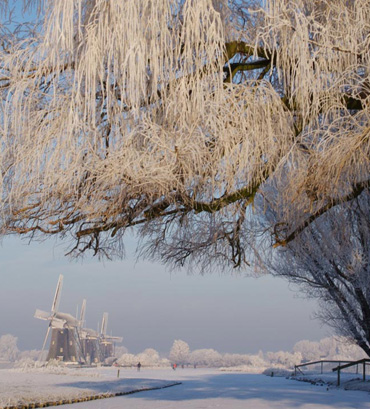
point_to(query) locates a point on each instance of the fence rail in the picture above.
(322, 362)
(364, 362)
(342, 365)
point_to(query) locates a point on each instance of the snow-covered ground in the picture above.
(55, 384)
(200, 388)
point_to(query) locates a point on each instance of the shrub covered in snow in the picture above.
(28, 363)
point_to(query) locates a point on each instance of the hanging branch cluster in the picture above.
(175, 115)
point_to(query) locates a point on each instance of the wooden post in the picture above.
(321, 367)
(295, 370)
(364, 371)
(338, 379)
(118, 373)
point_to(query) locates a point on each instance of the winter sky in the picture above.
(148, 305)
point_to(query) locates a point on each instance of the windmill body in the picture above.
(91, 346)
(89, 340)
(70, 340)
(65, 344)
(107, 342)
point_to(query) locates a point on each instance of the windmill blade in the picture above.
(83, 312)
(58, 291)
(113, 339)
(104, 324)
(45, 340)
(42, 315)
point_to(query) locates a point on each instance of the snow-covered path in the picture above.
(213, 389)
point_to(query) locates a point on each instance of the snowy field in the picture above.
(200, 388)
(55, 384)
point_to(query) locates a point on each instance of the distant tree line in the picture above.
(180, 353)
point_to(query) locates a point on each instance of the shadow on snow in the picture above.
(235, 386)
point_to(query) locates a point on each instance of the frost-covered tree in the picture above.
(337, 348)
(177, 116)
(179, 353)
(149, 357)
(127, 360)
(229, 360)
(32, 355)
(8, 348)
(309, 350)
(206, 357)
(328, 346)
(285, 359)
(346, 349)
(330, 262)
(120, 350)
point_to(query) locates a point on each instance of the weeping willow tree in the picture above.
(181, 119)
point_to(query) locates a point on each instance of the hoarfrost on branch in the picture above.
(180, 117)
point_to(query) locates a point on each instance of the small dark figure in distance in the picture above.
(138, 366)
(174, 366)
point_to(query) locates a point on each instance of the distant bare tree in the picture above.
(175, 116)
(331, 262)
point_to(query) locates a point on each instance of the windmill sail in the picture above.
(104, 324)
(82, 313)
(107, 341)
(58, 293)
(42, 315)
(64, 344)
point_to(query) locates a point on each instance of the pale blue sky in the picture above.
(149, 306)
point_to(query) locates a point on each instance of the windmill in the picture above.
(107, 341)
(89, 339)
(65, 344)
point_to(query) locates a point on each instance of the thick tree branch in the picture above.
(356, 191)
